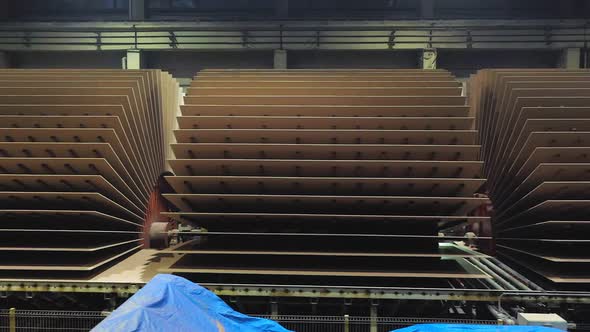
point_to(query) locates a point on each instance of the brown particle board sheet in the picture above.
(539, 250)
(71, 262)
(357, 77)
(307, 248)
(325, 185)
(325, 151)
(548, 132)
(548, 189)
(223, 220)
(533, 126)
(548, 172)
(64, 219)
(65, 199)
(316, 122)
(66, 166)
(195, 216)
(521, 134)
(80, 151)
(334, 136)
(317, 167)
(402, 81)
(222, 109)
(136, 117)
(70, 247)
(84, 183)
(499, 141)
(553, 139)
(324, 203)
(326, 268)
(82, 135)
(539, 156)
(325, 100)
(548, 228)
(330, 157)
(35, 150)
(324, 90)
(562, 273)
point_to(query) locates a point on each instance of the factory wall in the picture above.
(462, 63)
(184, 64)
(353, 59)
(66, 59)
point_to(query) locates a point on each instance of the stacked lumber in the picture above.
(534, 129)
(80, 152)
(323, 177)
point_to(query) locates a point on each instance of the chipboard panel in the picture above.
(80, 153)
(324, 177)
(535, 137)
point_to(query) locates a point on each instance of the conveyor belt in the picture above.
(534, 128)
(80, 152)
(339, 176)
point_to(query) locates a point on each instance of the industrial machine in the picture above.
(298, 191)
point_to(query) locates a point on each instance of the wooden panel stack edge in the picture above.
(324, 177)
(80, 154)
(534, 131)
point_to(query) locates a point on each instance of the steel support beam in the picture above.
(280, 59)
(274, 308)
(293, 35)
(439, 294)
(570, 58)
(429, 56)
(374, 315)
(134, 59)
(137, 10)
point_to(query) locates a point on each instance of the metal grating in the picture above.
(80, 151)
(324, 178)
(534, 132)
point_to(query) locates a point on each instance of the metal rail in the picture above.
(517, 288)
(386, 35)
(49, 320)
(58, 320)
(378, 293)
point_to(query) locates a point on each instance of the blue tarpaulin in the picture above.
(475, 328)
(170, 303)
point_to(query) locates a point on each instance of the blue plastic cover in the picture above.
(475, 328)
(170, 303)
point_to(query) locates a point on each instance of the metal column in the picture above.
(374, 314)
(280, 59)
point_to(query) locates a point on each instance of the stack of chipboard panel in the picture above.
(323, 177)
(80, 152)
(534, 129)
